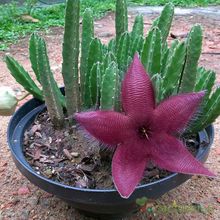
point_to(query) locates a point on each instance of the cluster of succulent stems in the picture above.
(92, 71)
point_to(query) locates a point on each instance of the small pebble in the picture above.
(24, 190)
(50, 140)
(48, 173)
(75, 154)
(67, 154)
(99, 25)
(66, 134)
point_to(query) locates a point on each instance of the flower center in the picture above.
(143, 132)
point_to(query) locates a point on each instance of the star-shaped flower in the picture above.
(144, 132)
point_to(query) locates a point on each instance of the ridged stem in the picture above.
(71, 56)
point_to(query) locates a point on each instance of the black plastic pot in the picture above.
(104, 203)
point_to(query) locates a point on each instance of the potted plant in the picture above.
(134, 96)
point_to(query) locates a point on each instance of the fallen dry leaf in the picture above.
(29, 19)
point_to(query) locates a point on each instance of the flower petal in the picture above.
(128, 165)
(169, 153)
(107, 126)
(173, 114)
(137, 92)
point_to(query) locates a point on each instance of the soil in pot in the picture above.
(70, 157)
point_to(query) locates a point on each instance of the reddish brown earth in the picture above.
(20, 200)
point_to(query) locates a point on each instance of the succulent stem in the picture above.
(71, 56)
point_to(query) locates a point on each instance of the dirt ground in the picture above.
(20, 200)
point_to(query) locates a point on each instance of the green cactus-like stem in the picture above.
(211, 111)
(164, 59)
(33, 54)
(34, 57)
(87, 99)
(95, 53)
(108, 58)
(95, 56)
(108, 88)
(194, 47)
(205, 80)
(173, 70)
(136, 45)
(53, 103)
(87, 36)
(151, 55)
(71, 56)
(121, 19)
(23, 78)
(123, 52)
(138, 27)
(167, 53)
(117, 99)
(112, 45)
(94, 85)
(164, 21)
(157, 82)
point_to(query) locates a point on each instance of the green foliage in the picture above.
(188, 78)
(95, 55)
(123, 52)
(71, 56)
(22, 77)
(185, 3)
(87, 36)
(165, 20)
(136, 45)
(205, 80)
(138, 27)
(173, 70)
(33, 52)
(210, 111)
(36, 65)
(108, 87)
(94, 83)
(121, 18)
(13, 27)
(49, 86)
(151, 53)
(136, 36)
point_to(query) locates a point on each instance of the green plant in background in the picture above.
(185, 3)
(13, 27)
(29, 5)
(173, 69)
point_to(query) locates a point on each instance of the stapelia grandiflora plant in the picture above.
(144, 132)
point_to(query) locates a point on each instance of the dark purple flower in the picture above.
(144, 132)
